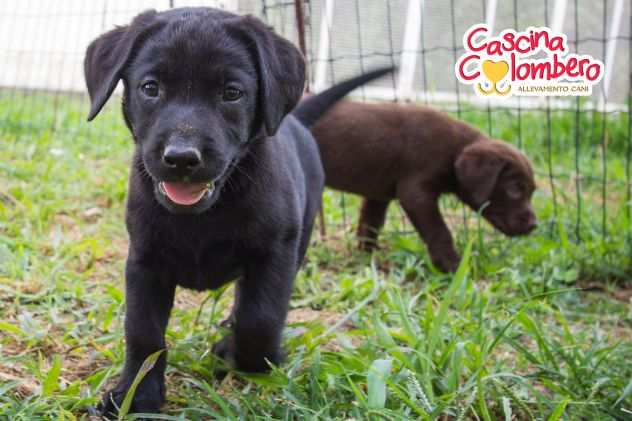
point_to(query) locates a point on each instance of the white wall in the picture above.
(42, 42)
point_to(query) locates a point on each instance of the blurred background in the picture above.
(42, 42)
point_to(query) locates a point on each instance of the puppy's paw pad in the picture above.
(250, 361)
(447, 264)
(110, 404)
(112, 401)
(225, 349)
(368, 246)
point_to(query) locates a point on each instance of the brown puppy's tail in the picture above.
(312, 108)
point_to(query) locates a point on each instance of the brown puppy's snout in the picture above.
(181, 157)
(526, 222)
(531, 222)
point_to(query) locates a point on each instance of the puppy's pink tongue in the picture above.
(185, 193)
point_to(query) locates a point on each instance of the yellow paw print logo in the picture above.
(495, 72)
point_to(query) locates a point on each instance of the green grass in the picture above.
(382, 337)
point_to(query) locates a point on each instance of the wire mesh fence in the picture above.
(581, 147)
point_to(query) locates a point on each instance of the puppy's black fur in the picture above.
(215, 88)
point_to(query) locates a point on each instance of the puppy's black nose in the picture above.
(181, 157)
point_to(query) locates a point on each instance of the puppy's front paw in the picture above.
(447, 262)
(251, 360)
(144, 401)
(225, 349)
(367, 245)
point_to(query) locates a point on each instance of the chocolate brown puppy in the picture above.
(415, 154)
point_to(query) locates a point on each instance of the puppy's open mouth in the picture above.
(186, 194)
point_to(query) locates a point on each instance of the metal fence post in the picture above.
(320, 74)
(300, 28)
(412, 36)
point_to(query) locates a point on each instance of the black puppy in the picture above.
(222, 187)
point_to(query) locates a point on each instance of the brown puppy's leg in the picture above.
(372, 217)
(422, 207)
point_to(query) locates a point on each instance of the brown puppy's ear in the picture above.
(107, 56)
(280, 67)
(477, 170)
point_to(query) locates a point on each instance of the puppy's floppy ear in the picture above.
(280, 67)
(107, 56)
(477, 170)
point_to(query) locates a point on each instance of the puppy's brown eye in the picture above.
(515, 191)
(231, 94)
(150, 89)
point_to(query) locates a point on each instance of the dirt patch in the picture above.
(328, 319)
(307, 315)
(26, 387)
(622, 294)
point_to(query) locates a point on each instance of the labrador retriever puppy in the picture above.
(222, 186)
(415, 154)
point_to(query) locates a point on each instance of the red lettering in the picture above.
(537, 36)
(541, 68)
(470, 37)
(509, 38)
(557, 43)
(494, 48)
(464, 63)
(571, 64)
(558, 68)
(522, 39)
(582, 66)
(593, 72)
(523, 71)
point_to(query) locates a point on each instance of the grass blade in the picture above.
(558, 411)
(507, 408)
(51, 382)
(626, 392)
(448, 298)
(376, 383)
(148, 364)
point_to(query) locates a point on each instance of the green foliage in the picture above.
(145, 368)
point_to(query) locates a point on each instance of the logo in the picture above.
(535, 62)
